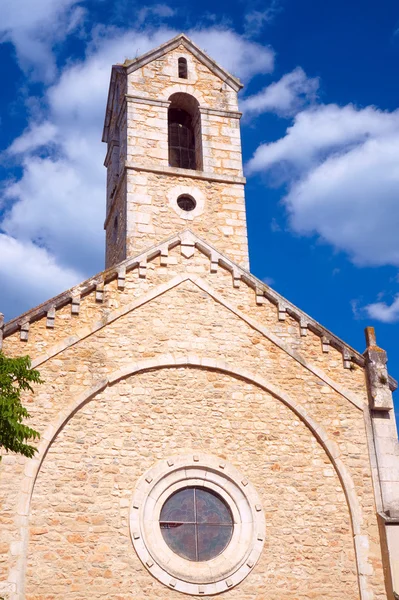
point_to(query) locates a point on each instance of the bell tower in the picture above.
(173, 160)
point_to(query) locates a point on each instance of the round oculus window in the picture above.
(196, 523)
(186, 202)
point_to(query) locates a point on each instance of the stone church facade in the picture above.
(200, 435)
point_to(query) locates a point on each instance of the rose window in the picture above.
(196, 523)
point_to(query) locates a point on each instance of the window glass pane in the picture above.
(181, 539)
(184, 159)
(211, 508)
(179, 507)
(184, 136)
(212, 540)
(174, 157)
(174, 134)
(181, 138)
(196, 523)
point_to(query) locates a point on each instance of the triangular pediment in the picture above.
(188, 243)
(183, 40)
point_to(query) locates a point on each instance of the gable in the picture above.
(93, 303)
(183, 42)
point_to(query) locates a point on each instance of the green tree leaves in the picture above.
(16, 376)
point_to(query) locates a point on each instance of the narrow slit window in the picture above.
(115, 229)
(182, 64)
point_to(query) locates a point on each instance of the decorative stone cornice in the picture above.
(185, 239)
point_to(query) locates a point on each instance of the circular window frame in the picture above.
(183, 190)
(238, 558)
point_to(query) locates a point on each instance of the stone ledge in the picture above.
(150, 101)
(187, 173)
(230, 114)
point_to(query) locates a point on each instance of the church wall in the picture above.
(185, 353)
(186, 320)
(147, 134)
(79, 536)
(153, 214)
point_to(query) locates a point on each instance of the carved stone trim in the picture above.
(238, 273)
(232, 565)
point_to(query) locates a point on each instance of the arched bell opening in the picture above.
(184, 132)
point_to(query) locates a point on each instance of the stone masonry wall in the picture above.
(115, 247)
(143, 127)
(311, 347)
(153, 214)
(181, 321)
(79, 536)
(188, 356)
(161, 74)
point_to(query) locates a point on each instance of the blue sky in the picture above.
(320, 134)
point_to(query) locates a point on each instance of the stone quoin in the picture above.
(200, 435)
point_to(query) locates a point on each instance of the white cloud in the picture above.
(320, 132)
(284, 97)
(39, 135)
(158, 10)
(384, 312)
(255, 20)
(57, 206)
(26, 268)
(34, 29)
(341, 168)
(241, 57)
